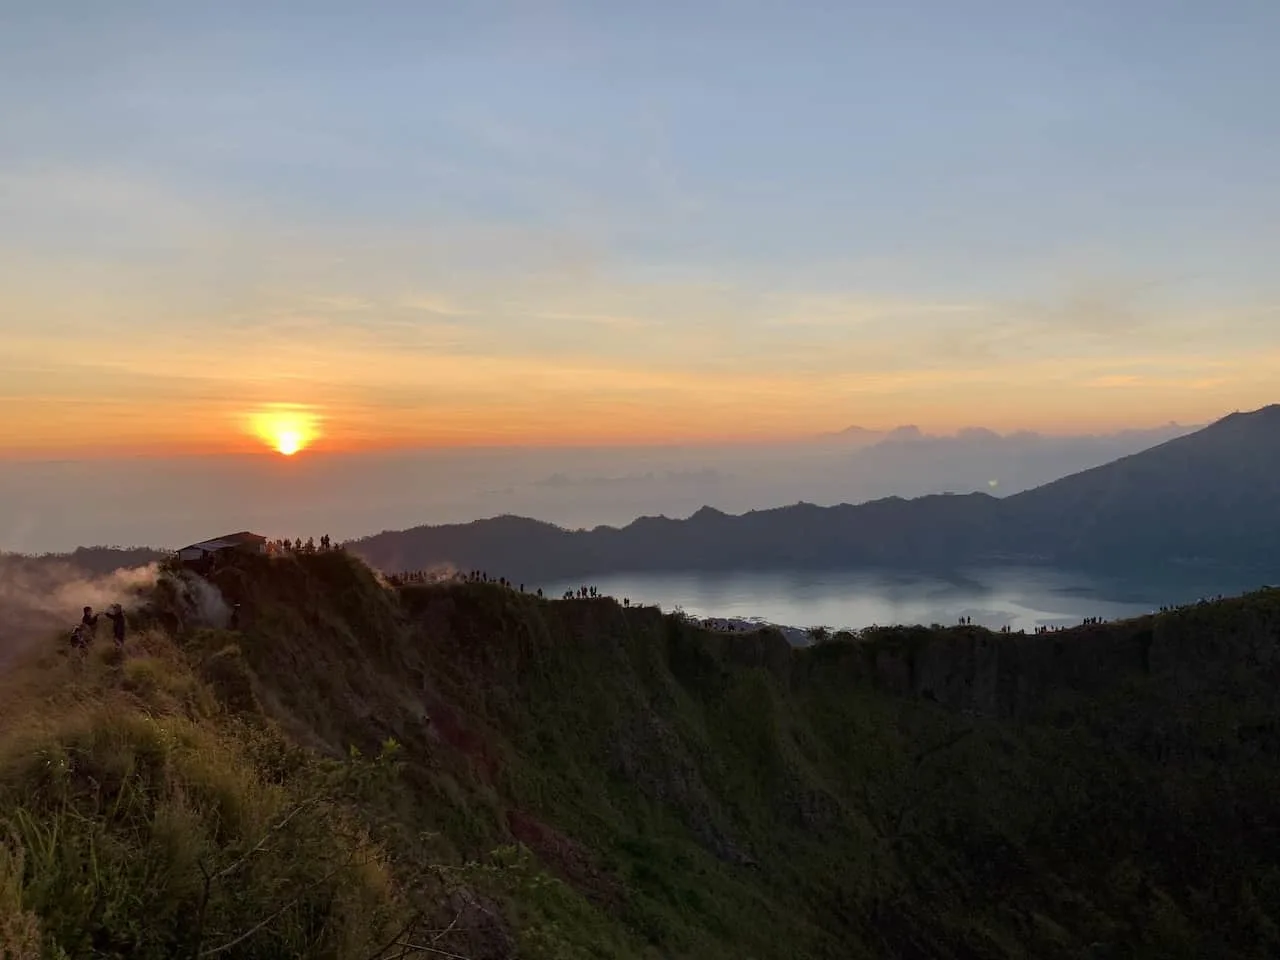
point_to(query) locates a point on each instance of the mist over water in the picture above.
(1021, 598)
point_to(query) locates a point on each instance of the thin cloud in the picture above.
(851, 312)
(436, 305)
(340, 304)
(600, 319)
(511, 329)
(1134, 381)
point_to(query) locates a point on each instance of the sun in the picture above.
(289, 442)
(285, 429)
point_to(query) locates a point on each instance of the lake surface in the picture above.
(1021, 598)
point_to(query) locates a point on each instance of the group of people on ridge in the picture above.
(409, 577)
(83, 634)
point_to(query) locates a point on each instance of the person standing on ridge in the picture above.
(89, 621)
(116, 615)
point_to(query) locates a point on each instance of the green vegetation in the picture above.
(363, 772)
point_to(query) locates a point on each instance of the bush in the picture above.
(232, 683)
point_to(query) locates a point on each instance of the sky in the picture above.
(426, 225)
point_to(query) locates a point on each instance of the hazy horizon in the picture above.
(48, 506)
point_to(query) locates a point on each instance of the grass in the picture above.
(133, 822)
(357, 767)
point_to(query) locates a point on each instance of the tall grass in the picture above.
(134, 821)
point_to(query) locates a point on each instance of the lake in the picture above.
(1021, 598)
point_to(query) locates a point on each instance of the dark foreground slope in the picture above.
(1208, 498)
(1107, 792)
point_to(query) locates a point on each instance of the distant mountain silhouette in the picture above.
(856, 433)
(861, 435)
(95, 561)
(1210, 497)
(905, 433)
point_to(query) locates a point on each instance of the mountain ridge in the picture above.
(1210, 496)
(1056, 523)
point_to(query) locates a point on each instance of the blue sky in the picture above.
(569, 221)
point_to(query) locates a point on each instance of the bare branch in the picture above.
(433, 950)
(262, 923)
(204, 904)
(447, 930)
(223, 874)
(398, 936)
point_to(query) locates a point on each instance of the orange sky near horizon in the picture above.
(580, 360)
(190, 411)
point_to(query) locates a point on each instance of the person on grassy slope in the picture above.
(116, 615)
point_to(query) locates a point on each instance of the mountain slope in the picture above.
(1210, 496)
(1107, 791)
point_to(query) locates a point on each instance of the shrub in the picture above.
(229, 676)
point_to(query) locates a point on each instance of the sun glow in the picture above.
(285, 429)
